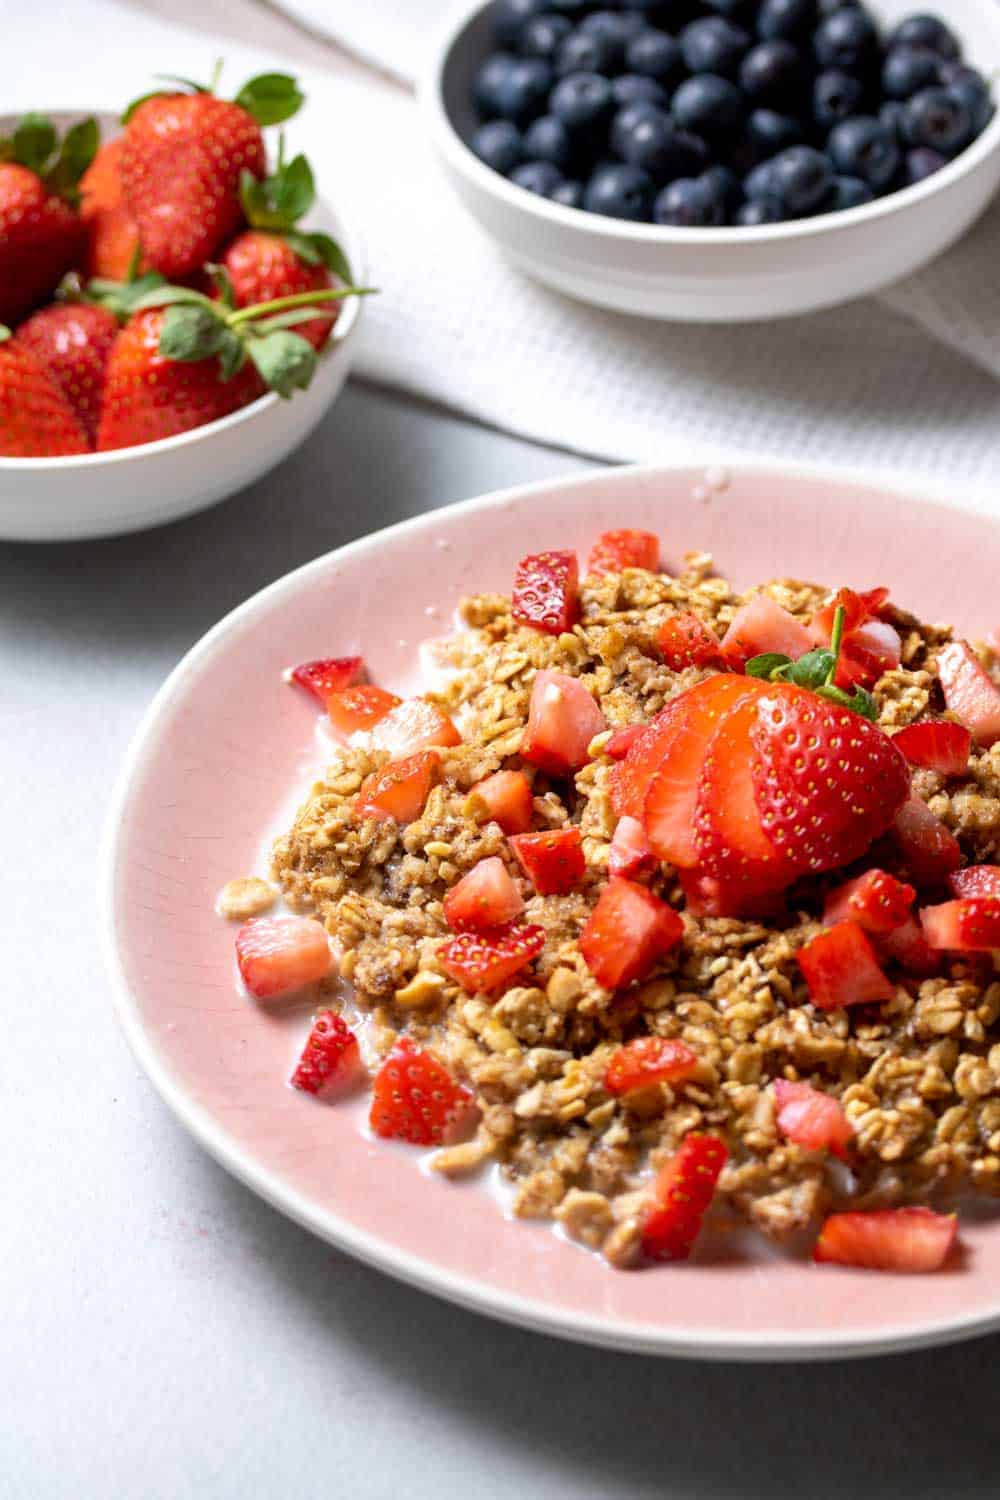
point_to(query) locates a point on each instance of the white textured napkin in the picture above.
(861, 385)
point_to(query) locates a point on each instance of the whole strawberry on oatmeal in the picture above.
(672, 903)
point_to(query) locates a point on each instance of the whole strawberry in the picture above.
(182, 158)
(41, 233)
(36, 420)
(112, 246)
(72, 342)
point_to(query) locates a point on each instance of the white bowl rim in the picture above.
(415, 1270)
(464, 159)
(345, 326)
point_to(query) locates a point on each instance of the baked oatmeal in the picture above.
(669, 900)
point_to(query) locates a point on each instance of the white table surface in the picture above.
(164, 1334)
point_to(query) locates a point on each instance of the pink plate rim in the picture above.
(717, 1343)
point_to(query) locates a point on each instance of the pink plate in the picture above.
(224, 751)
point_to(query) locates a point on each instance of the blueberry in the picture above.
(709, 105)
(627, 119)
(863, 147)
(846, 39)
(491, 81)
(575, 8)
(620, 192)
(569, 194)
(925, 31)
(514, 88)
(891, 116)
(763, 210)
(688, 202)
(509, 18)
(547, 139)
(655, 55)
(538, 177)
(631, 88)
(772, 73)
(714, 45)
(922, 162)
(622, 26)
(836, 96)
(543, 36)
(847, 192)
(500, 145)
(907, 69)
(723, 185)
(826, 8)
(937, 118)
(655, 144)
(583, 102)
(590, 52)
(733, 10)
(771, 132)
(760, 183)
(971, 87)
(801, 178)
(791, 20)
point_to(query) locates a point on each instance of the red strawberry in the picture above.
(507, 794)
(649, 1060)
(707, 897)
(482, 961)
(358, 708)
(279, 954)
(936, 744)
(763, 626)
(36, 420)
(876, 901)
(930, 850)
(415, 724)
(41, 234)
(858, 609)
(553, 861)
(181, 164)
(976, 880)
(910, 949)
(680, 1197)
(400, 790)
(331, 674)
(73, 340)
(686, 641)
(968, 925)
(615, 550)
(112, 235)
(562, 720)
(648, 748)
(622, 740)
(811, 1118)
(484, 898)
(331, 1056)
(626, 934)
(415, 1098)
(841, 968)
(970, 692)
(888, 1239)
(545, 594)
(870, 646)
(629, 852)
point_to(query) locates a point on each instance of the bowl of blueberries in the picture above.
(718, 160)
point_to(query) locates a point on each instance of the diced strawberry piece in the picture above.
(970, 692)
(930, 850)
(553, 861)
(562, 720)
(546, 592)
(686, 641)
(358, 708)
(888, 1239)
(976, 880)
(867, 654)
(482, 961)
(485, 897)
(761, 626)
(332, 674)
(331, 1056)
(910, 949)
(621, 742)
(841, 968)
(415, 1098)
(969, 925)
(626, 933)
(673, 759)
(277, 955)
(615, 550)
(877, 901)
(858, 609)
(400, 790)
(936, 744)
(707, 897)
(680, 1197)
(630, 851)
(827, 781)
(649, 1060)
(811, 1118)
(507, 794)
(415, 724)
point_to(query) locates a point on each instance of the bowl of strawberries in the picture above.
(176, 308)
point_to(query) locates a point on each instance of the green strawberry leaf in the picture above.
(188, 83)
(860, 701)
(33, 142)
(320, 249)
(812, 670)
(78, 149)
(232, 354)
(292, 318)
(166, 296)
(281, 199)
(766, 664)
(223, 284)
(192, 333)
(271, 98)
(285, 361)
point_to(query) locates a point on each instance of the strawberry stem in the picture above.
(836, 640)
(300, 299)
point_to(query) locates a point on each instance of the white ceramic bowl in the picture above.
(715, 275)
(104, 494)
